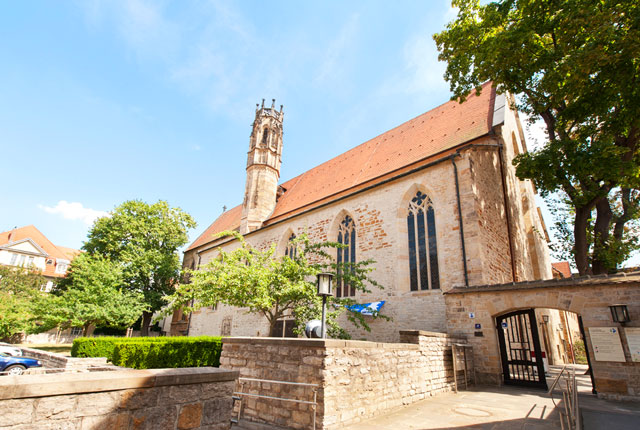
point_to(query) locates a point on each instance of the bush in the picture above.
(170, 352)
(103, 346)
(579, 352)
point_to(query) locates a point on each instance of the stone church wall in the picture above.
(381, 227)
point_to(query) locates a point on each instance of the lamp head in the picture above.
(324, 284)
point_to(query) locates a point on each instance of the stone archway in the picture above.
(471, 312)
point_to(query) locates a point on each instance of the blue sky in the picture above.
(106, 101)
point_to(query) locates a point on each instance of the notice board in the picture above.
(633, 340)
(606, 344)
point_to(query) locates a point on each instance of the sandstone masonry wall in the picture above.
(356, 380)
(192, 398)
(589, 298)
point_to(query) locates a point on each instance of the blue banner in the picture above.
(366, 308)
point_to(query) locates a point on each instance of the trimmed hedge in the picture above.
(174, 352)
(103, 346)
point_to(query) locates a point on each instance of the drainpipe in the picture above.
(464, 251)
(197, 267)
(507, 213)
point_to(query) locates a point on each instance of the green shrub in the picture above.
(579, 352)
(103, 346)
(171, 352)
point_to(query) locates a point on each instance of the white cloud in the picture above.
(74, 211)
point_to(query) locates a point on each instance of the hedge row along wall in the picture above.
(152, 352)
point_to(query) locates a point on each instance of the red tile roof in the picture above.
(562, 268)
(229, 220)
(424, 137)
(53, 251)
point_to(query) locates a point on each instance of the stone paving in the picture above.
(498, 408)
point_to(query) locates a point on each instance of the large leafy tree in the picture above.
(94, 293)
(273, 286)
(575, 64)
(20, 297)
(143, 239)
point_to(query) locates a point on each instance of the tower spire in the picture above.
(263, 167)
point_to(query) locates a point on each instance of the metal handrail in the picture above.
(571, 414)
(313, 404)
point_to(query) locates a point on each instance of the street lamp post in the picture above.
(324, 290)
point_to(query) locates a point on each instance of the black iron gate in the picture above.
(520, 349)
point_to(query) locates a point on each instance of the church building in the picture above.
(435, 202)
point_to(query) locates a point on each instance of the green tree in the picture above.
(20, 296)
(273, 287)
(144, 240)
(93, 294)
(576, 65)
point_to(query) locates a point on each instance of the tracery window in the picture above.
(291, 251)
(423, 250)
(346, 236)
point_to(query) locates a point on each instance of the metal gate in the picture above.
(520, 349)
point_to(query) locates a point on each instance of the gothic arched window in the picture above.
(423, 250)
(290, 250)
(265, 136)
(346, 236)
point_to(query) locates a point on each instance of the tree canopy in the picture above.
(93, 294)
(20, 296)
(273, 286)
(576, 65)
(143, 239)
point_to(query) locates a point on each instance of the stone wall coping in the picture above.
(26, 386)
(320, 343)
(582, 281)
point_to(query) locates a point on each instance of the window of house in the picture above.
(14, 257)
(61, 266)
(30, 262)
(76, 331)
(291, 251)
(346, 236)
(423, 250)
(21, 260)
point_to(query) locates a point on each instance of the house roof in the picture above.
(562, 268)
(52, 251)
(424, 137)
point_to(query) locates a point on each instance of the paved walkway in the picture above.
(502, 408)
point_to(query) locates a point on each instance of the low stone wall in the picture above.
(356, 379)
(191, 398)
(52, 360)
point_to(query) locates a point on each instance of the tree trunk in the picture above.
(85, 329)
(604, 215)
(146, 321)
(580, 238)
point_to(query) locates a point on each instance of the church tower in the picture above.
(263, 167)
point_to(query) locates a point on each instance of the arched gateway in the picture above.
(480, 313)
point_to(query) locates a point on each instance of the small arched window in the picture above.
(291, 251)
(423, 250)
(346, 236)
(265, 136)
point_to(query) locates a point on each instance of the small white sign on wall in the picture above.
(633, 340)
(606, 344)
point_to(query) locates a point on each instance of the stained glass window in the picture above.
(346, 236)
(423, 250)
